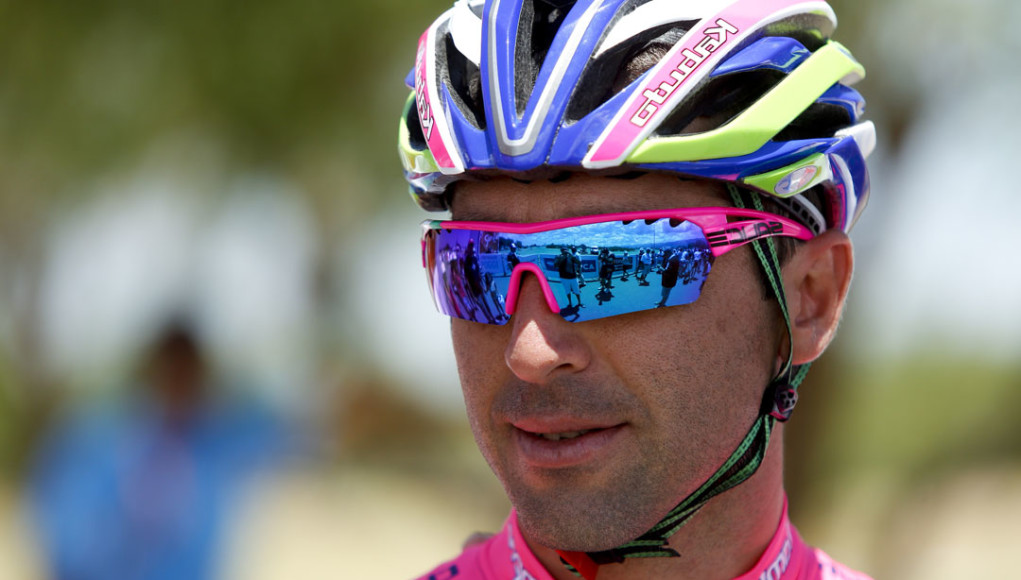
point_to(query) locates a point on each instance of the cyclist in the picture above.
(568, 265)
(727, 128)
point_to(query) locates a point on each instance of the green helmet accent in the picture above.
(760, 122)
(805, 175)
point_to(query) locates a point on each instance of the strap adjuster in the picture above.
(784, 400)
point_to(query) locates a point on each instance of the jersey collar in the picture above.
(780, 561)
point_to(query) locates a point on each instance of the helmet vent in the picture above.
(718, 101)
(811, 30)
(462, 78)
(818, 120)
(477, 8)
(538, 24)
(616, 68)
(414, 125)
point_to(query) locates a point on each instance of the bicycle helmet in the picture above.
(512, 86)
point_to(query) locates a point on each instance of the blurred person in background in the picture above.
(144, 489)
(647, 443)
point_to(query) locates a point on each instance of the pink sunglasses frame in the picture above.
(722, 234)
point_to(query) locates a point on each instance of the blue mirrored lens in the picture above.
(594, 270)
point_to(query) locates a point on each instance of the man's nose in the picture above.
(542, 344)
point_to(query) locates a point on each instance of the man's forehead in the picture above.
(508, 200)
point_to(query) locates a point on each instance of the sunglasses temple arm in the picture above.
(737, 234)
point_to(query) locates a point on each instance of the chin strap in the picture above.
(778, 402)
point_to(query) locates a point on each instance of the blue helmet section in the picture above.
(529, 135)
(772, 52)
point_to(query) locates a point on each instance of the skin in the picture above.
(676, 388)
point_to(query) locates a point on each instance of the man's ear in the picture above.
(816, 279)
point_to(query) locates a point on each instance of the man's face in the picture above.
(597, 429)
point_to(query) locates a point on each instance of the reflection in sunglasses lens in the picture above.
(594, 270)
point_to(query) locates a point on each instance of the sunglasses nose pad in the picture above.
(517, 279)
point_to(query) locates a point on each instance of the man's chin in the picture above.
(579, 530)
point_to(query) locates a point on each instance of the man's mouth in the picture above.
(550, 447)
(564, 435)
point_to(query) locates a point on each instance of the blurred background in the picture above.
(218, 358)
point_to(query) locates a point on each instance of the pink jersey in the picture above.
(506, 556)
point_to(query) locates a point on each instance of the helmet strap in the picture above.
(778, 401)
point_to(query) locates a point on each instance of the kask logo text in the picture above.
(425, 115)
(693, 59)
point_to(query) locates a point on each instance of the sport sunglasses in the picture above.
(588, 267)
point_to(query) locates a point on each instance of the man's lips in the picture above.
(563, 443)
(538, 425)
